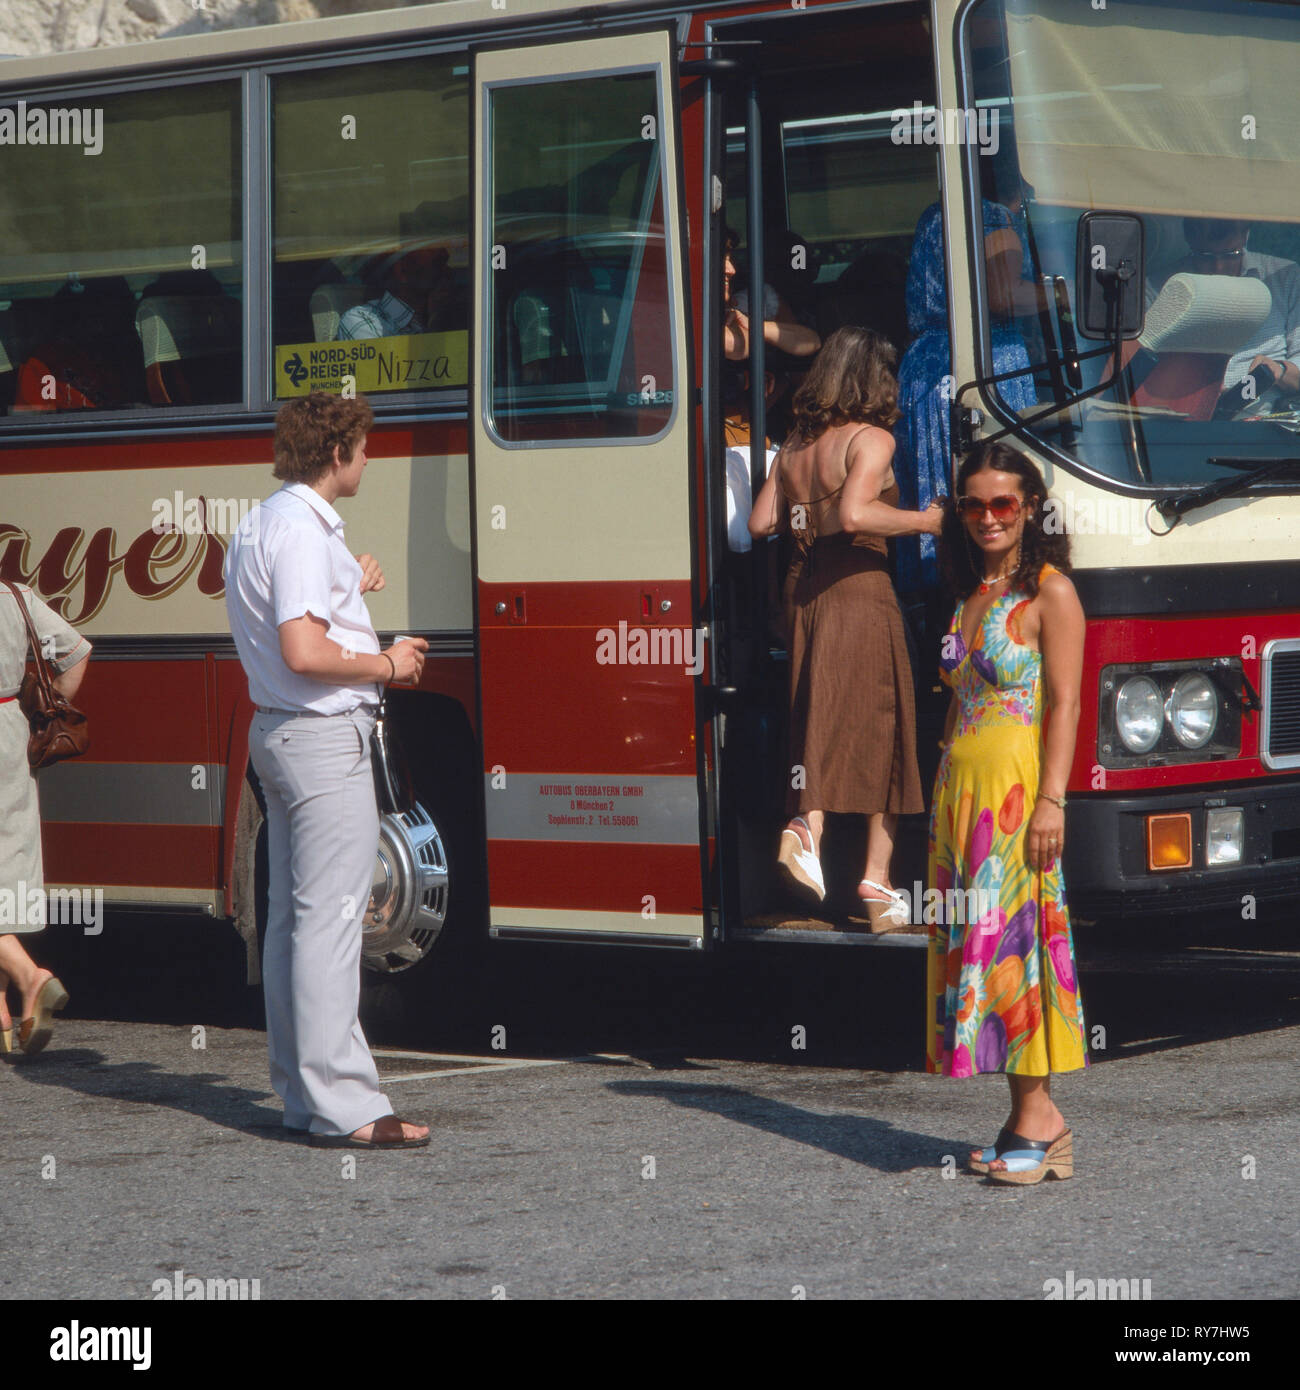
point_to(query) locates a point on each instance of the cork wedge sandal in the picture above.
(887, 913)
(1032, 1160)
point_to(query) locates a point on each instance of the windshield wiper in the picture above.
(1173, 509)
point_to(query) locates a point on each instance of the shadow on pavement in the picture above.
(861, 1139)
(206, 1095)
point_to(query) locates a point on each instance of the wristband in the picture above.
(392, 666)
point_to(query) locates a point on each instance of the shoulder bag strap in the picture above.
(34, 641)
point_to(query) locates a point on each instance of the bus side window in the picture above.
(85, 237)
(370, 232)
(581, 337)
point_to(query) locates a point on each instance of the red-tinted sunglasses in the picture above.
(1004, 508)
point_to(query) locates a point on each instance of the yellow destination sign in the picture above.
(410, 362)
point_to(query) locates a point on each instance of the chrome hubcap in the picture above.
(409, 893)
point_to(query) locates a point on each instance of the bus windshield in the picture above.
(1183, 113)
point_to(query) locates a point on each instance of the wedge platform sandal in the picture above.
(1035, 1159)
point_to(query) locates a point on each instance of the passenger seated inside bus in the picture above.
(414, 292)
(1220, 246)
(191, 334)
(1221, 336)
(79, 347)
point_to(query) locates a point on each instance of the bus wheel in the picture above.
(409, 893)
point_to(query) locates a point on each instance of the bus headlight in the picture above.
(1225, 830)
(1193, 710)
(1159, 714)
(1139, 714)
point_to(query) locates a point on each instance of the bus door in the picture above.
(814, 160)
(588, 651)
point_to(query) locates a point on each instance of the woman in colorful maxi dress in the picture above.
(1003, 983)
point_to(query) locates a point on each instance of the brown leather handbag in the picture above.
(58, 729)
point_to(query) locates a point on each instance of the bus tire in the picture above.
(407, 992)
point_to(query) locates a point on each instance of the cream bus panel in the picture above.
(1108, 531)
(528, 527)
(97, 558)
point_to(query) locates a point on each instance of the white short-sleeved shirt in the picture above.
(739, 499)
(288, 558)
(1279, 335)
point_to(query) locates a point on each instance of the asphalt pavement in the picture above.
(674, 1141)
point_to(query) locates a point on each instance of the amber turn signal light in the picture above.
(1169, 841)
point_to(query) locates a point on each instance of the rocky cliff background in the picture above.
(51, 26)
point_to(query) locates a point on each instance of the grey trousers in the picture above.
(323, 831)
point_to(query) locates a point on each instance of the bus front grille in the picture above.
(1281, 724)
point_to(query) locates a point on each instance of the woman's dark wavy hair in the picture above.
(852, 379)
(959, 556)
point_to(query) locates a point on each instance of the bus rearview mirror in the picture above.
(1110, 272)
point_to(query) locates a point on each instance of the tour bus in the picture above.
(505, 222)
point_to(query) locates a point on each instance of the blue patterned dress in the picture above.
(922, 461)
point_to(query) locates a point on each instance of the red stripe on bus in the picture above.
(155, 856)
(147, 711)
(215, 449)
(585, 877)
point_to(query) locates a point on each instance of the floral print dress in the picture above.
(1003, 991)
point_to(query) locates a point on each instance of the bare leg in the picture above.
(1033, 1112)
(880, 847)
(816, 822)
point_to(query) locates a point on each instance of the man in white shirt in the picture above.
(316, 674)
(1218, 247)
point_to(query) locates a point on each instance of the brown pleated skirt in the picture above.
(852, 706)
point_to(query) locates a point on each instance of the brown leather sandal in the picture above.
(350, 1141)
